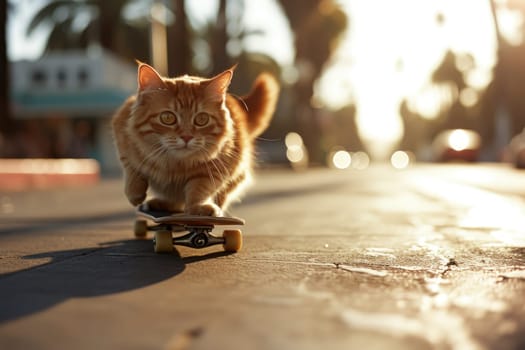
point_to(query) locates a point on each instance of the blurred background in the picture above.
(363, 81)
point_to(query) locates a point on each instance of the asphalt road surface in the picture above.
(432, 257)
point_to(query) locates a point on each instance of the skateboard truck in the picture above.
(198, 237)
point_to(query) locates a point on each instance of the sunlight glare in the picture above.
(500, 214)
(431, 100)
(492, 211)
(478, 79)
(377, 68)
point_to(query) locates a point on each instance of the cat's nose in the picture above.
(186, 138)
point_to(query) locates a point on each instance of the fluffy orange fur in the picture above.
(189, 141)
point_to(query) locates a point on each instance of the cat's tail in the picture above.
(261, 103)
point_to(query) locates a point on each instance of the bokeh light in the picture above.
(468, 97)
(341, 159)
(296, 152)
(360, 160)
(400, 159)
(293, 139)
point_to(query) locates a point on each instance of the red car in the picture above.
(457, 145)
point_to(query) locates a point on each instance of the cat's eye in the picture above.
(201, 119)
(168, 118)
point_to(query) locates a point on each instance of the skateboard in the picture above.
(198, 230)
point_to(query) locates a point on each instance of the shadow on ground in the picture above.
(112, 268)
(30, 225)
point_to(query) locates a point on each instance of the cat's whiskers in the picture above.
(221, 172)
(229, 151)
(218, 160)
(210, 160)
(156, 153)
(211, 176)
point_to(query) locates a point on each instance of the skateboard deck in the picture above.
(166, 217)
(198, 230)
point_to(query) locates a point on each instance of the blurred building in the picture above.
(68, 98)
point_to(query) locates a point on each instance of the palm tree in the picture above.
(220, 39)
(505, 93)
(5, 118)
(317, 25)
(179, 41)
(106, 26)
(502, 96)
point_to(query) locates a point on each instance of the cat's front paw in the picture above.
(135, 189)
(208, 209)
(136, 198)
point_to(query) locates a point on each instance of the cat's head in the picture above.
(182, 118)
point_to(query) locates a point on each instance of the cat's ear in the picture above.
(218, 85)
(148, 78)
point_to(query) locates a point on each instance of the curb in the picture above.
(28, 174)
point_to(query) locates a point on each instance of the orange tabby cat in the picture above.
(190, 141)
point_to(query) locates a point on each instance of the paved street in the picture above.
(432, 257)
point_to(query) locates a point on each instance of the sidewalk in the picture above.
(427, 258)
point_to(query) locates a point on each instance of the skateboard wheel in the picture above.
(163, 242)
(232, 240)
(141, 228)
